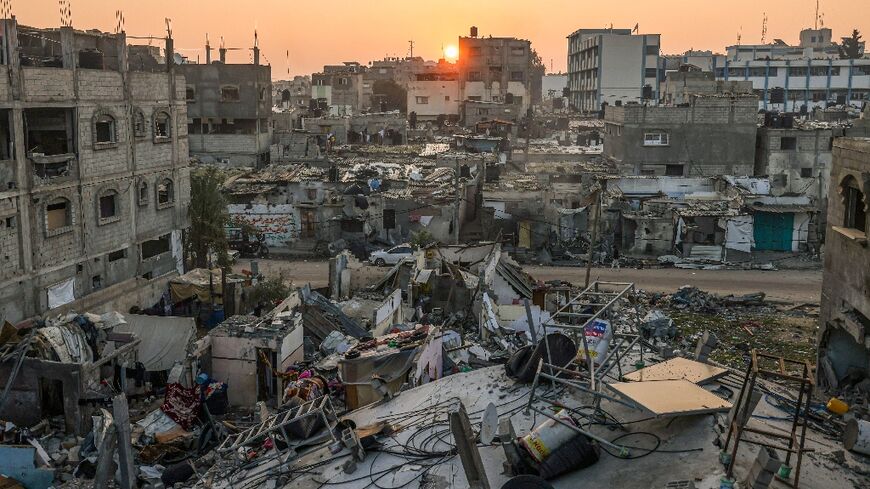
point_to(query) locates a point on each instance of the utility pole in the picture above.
(457, 200)
(594, 244)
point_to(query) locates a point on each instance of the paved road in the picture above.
(785, 285)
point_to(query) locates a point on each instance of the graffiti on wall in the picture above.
(277, 222)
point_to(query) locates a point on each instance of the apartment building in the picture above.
(613, 67)
(94, 168)
(497, 70)
(228, 106)
(339, 88)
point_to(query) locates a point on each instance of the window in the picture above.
(474, 76)
(161, 125)
(154, 247)
(389, 218)
(58, 215)
(138, 123)
(518, 51)
(650, 73)
(652, 50)
(229, 93)
(656, 139)
(190, 93)
(97, 282)
(855, 216)
(143, 193)
(312, 194)
(861, 70)
(807, 172)
(344, 81)
(475, 51)
(117, 255)
(719, 72)
(760, 71)
(736, 71)
(788, 143)
(164, 193)
(104, 129)
(674, 170)
(422, 100)
(797, 71)
(518, 76)
(107, 206)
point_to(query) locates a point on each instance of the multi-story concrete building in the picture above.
(792, 78)
(95, 178)
(496, 69)
(435, 93)
(292, 94)
(844, 322)
(711, 134)
(340, 88)
(229, 106)
(613, 67)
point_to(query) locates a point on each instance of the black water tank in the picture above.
(474, 31)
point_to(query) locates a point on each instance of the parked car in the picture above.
(391, 256)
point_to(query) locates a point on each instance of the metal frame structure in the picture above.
(601, 301)
(277, 424)
(581, 386)
(799, 418)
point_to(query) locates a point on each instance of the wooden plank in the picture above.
(671, 397)
(677, 368)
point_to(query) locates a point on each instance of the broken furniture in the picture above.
(795, 446)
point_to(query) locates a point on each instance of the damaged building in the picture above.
(228, 111)
(709, 134)
(844, 342)
(95, 172)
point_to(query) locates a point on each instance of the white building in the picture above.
(787, 78)
(612, 66)
(430, 98)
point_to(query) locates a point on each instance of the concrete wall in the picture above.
(845, 305)
(713, 136)
(442, 98)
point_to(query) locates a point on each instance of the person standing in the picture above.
(614, 264)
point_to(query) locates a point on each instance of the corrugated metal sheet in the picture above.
(782, 208)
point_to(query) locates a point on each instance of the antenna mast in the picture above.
(817, 15)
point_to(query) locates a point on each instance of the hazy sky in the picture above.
(328, 32)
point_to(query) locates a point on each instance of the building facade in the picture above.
(844, 321)
(790, 78)
(613, 67)
(710, 135)
(340, 88)
(95, 173)
(229, 106)
(495, 69)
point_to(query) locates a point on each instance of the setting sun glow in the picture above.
(451, 52)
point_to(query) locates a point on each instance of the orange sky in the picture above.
(328, 32)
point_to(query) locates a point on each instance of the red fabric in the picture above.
(181, 404)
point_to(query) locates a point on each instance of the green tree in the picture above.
(422, 238)
(208, 217)
(851, 47)
(269, 290)
(393, 96)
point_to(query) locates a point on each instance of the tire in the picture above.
(380, 262)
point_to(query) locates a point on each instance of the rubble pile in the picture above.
(455, 352)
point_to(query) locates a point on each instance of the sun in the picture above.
(451, 52)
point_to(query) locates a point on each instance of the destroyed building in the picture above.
(389, 128)
(339, 89)
(292, 94)
(496, 70)
(228, 107)
(844, 323)
(710, 135)
(94, 172)
(612, 67)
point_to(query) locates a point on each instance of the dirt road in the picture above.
(784, 285)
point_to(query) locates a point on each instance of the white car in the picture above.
(391, 256)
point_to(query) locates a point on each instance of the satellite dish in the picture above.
(489, 424)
